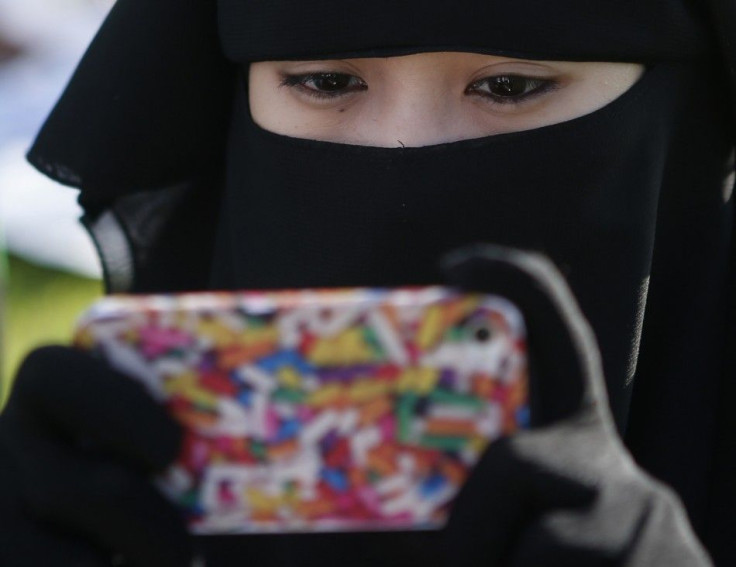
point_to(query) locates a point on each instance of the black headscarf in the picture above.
(631, 201)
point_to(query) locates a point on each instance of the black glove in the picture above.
(78, 445)
(565, 492)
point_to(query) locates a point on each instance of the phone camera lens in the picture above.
(483, 334)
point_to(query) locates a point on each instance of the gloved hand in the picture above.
(566, 492)
(78, 445)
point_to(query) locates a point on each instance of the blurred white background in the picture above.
(43, 40)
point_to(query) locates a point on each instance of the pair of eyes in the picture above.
(500, 89)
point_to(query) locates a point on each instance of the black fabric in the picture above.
(171, 235)
(74, 466)
(562, 494)
(78, 444)
(677, 386)
(305, 213)
(722, 486)
(565, 493)
(630, 201)
(147, 107)
(604, 30)
(645, 238)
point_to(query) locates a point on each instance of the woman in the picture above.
(312, 154)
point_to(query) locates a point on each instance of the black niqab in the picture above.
(316, 214)
(604, 30)
(630, 201)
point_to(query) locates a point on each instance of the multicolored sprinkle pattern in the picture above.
(354, 409)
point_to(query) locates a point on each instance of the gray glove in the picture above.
(565, 492)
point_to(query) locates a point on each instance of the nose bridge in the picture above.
(417, 114)
(419, 120)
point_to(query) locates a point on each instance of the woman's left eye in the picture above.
(510, 89)
(325, 85)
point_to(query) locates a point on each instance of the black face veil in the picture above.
(629, 200)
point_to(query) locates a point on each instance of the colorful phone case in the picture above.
(328, 410)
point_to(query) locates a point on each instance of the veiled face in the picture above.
(427, 98)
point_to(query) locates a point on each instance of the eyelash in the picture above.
(300, 82)
(532, 86)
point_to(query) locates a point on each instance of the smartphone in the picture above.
(321, 410)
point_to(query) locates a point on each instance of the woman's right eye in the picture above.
(325, 85)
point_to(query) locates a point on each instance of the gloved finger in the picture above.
(110, 504)
(631, 523)
(568, 539)
(564, 359)
(598, 535)
(71, 394)
(25, 543)
(504, 492)
(665, 538)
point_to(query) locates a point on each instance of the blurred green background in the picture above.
(41, 42)
(41, 306)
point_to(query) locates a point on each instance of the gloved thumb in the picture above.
(565, 362)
